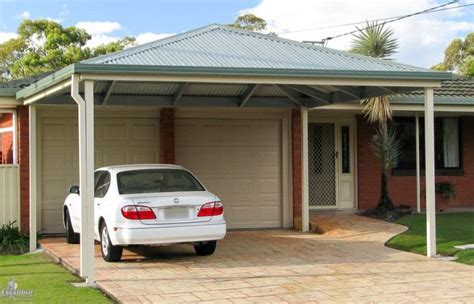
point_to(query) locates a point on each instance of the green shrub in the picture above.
(12, 241)
(446, 190)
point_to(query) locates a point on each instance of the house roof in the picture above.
(457, 91)
(9, 88)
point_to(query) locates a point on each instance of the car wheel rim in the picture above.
(105, 241)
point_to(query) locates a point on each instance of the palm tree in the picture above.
(377, 41)
(387, 148)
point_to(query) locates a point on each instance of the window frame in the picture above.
(454, 171)
(97, 187)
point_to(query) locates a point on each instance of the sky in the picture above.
(422, 39)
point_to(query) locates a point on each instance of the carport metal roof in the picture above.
(221, 66)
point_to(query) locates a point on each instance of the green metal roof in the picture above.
(217, 50)
(458, 91)
(218, 46)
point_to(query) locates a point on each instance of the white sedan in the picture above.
(148, 205)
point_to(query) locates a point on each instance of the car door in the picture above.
(102, 183)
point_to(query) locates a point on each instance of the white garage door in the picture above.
(118, 141)
(238, 160)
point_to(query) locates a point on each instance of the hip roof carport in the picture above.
(217, 66)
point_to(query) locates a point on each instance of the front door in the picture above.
(331, 165)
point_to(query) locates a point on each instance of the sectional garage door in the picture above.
(118, 141)
(238, 160)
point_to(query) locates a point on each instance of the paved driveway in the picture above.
(347, 264)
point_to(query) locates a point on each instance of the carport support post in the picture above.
(430, 174)
(32, 126)
(86, 175)
(304, 171)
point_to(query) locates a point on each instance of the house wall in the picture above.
(402, 189)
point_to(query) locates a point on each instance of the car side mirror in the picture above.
(74, 190)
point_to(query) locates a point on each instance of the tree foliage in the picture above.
(459, 56)
(375, 40)
(250, 22)
(45, 45)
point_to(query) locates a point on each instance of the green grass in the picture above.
(452, 229)
(49, 282)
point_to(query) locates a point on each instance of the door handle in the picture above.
(98, 204)
(336, 154)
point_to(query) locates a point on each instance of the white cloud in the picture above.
(422, 38)
(24, 15)
(148, 37)
(99, 27)
(4, 36)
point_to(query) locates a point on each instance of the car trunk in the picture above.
(171, 208)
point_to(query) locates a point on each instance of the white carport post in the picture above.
(430, 174)
(86, 175)
(33, 189)
(418, 186)
(304, 171)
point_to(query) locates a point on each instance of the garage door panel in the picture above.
(118, 141)
(238, 160)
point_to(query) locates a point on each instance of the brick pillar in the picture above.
(24, 161)
(167, 154)
(6, 144)
(296, 147)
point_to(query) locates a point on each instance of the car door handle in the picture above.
(98, 204)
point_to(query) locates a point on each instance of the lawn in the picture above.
(452, 229)
(49, 282)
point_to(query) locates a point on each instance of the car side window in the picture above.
(102, 184)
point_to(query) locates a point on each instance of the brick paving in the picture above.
(347, 264)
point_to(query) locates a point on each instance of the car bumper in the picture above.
(168, 235)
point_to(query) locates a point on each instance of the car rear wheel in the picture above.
(71, 236)
(110, 253)
(205, 248)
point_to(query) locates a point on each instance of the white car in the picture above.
(148, 205)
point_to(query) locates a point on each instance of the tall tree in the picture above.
(376, 41)
(45, 45)
(250, 22)
(459, 56)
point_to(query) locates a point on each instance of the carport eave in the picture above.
(235, 75)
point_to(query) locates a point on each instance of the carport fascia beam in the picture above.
(311, 92)
(290, 94)
(265, 80)
(47, 92)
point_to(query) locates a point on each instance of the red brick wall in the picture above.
(167, 145)
(6, 144)
(24, 161)
(296, 148)
(402, 189)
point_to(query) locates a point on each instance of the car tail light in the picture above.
(211, 209)
(138, 213)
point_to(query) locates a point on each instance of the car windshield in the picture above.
(156, 180)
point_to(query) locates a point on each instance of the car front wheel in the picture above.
(205, 248)
(71, 236)
(110, 253)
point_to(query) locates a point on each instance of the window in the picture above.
(346, 164)
(156, 181)
(447, 143)
(102, 183)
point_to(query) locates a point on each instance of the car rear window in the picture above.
(157, 180)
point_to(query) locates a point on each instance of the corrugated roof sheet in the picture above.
(222, 46)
